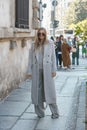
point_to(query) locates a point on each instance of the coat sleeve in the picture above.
(53, 58)
(30, 59)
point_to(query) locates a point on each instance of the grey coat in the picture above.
(49, 66)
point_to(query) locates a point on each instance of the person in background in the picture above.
(66, 54)
(52, 38)
(42, 70)
(75, 54)
(59, 50)
(83, 51)
(56, 50)
(86, 48)
(69, 41)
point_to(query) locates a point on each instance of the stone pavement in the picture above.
(17, 112)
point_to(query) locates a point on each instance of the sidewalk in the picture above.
(17, 112)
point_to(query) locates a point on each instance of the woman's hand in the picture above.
(53, 74)
(28, 76)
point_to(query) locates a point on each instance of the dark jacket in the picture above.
(56, 47)
(59, 46)
(75, 45)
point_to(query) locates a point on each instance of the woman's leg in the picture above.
(77, 60)
(39, 109)
(73, 61)
(56, 53)
(60, 59)
(54, 110)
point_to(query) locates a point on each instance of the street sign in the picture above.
(54, 3)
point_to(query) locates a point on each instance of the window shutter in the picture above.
(22, 14)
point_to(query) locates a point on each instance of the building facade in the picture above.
(18, 25)
(61, 10)
(47, 15)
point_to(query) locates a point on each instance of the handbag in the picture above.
(73, 49)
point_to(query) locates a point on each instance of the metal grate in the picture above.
(22, 14)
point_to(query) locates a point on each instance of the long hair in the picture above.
(60, 37)
(37, 39)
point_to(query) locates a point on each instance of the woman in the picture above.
(66, 54)
(75, 54)
(59, 50)
(42, 69)
(56, 50)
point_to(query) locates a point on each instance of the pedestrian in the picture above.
(75, 54)
(69, 41)
(66, 54)
(83, 51)
(60, 51)
(56, 50)
(42, 70)
(52, 38)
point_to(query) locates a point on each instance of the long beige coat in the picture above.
(49, 66)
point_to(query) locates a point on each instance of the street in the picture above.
(17, 112)
(26, 30)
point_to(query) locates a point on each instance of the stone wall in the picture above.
(13, 65)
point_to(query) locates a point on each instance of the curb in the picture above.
(71, 122)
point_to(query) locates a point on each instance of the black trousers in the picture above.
(60, 59)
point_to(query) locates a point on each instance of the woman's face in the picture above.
(41, 35)
(62, 38)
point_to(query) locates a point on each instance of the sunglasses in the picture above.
(39, 34)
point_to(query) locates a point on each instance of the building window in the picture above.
(22, 14)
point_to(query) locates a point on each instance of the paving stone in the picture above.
(61, 79)
(58, 87)
(83, 88)
(7, 122)
(81, 108)
(31, 109)
(81, 98)
(64, 104)
(13, 108)
(47, 123)
(69, 87)
(25, 85)
(25, 125)
(29, 116)
(80, 124)
(81, 113)
(19, 91)
(58, 84)
(26, 97)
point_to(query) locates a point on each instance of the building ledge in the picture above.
(18, 30)
(16, 33)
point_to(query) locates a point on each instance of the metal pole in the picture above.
(54, 18)
(40, 13)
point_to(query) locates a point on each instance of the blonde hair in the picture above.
(37, 40)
